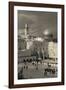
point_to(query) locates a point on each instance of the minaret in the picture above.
(26, 30)
(29, 43)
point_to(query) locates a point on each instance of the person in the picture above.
(26, 67)
(48, 65)
(20, 74)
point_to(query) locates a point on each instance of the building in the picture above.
(35, 47)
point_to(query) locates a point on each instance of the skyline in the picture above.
(48, 22)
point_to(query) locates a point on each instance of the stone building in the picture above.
(30, 46)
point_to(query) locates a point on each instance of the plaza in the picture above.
(33, 69)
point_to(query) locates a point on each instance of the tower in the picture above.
(26, 30)
(29, 42)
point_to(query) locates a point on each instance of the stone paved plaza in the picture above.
(30, 70)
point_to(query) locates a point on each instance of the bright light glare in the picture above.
(46, 32)
(39, 39)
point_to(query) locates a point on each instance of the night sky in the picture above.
(38, 22)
